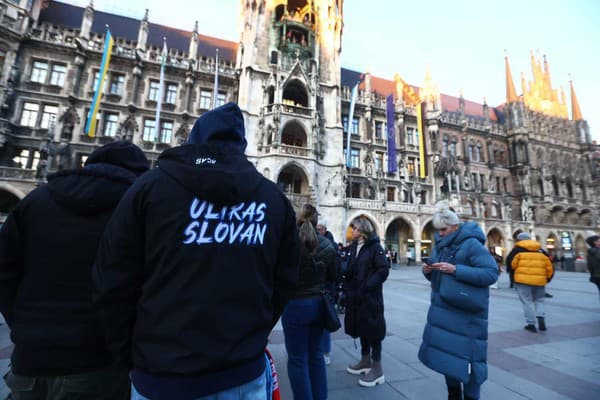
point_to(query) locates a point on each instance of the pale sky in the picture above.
(461, 41)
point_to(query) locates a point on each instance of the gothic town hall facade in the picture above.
(525, 165)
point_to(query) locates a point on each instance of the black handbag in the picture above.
(332, 321)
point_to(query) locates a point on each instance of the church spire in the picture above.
(575, 110)
(511, 93)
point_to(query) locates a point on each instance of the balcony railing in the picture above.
(297, 199)
(296, 109)
(295, 150)
(365, 204)
(11, 173)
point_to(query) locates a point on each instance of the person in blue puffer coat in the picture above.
(455, 339)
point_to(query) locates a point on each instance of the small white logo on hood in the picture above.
(205, 160)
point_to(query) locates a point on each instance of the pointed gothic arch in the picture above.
(295, 93)
(294, 134)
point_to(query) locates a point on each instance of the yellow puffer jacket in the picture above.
(531, 267)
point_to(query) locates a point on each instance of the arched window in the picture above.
(470, 150)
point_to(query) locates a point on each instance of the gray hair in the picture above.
(443, 216)
(364, 227)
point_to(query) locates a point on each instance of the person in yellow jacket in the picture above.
(532, 270)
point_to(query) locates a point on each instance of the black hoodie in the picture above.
(47, 248)
(193, 269)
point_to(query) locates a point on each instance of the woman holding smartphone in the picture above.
(455, 337)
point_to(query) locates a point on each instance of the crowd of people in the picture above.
(123, 282)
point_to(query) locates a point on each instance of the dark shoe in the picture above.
(530, 328)
(454, 393)
(361, 367)
(548, 295)
(374, 377)
(541, 323)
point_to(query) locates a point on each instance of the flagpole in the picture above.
(90, 126)
(161, 84)
(216, 85)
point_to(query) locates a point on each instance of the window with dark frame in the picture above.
(57, 76)
(39, 72)
(29, 114)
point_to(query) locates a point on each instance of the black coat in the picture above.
(363, 287)
(47, 248)
(196, 263)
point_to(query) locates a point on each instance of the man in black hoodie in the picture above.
(193, 269)
(47, 248)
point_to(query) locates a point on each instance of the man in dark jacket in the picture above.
(47, 249)
(593, 259)
(193, 270)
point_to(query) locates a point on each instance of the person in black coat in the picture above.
(47, 249)
(303, 317)
(195, 267)
(367, 270)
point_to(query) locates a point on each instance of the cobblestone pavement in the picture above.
(559, 364)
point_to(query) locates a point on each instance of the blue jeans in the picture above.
(326, 341)
(257, 389)
(471, 389)
(302, 322)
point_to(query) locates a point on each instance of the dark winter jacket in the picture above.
(317, 270)
(194, 270)
(593, 262)
(47, 248)
(363, 289)
(455, 340)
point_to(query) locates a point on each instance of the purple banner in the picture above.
(391, 134)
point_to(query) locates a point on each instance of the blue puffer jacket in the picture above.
(455, 340)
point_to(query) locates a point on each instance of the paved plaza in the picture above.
(562, 363)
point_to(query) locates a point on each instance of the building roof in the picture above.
(70, 16)
(384, 87)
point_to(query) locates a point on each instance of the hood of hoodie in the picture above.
(224, 124)
(465, 231)
(90, 190)
(213, 171)
(529, 244)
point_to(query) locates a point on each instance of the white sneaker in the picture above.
(327, 358)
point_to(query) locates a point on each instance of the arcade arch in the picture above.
(294, 184)
(427, 236)
(399, 237)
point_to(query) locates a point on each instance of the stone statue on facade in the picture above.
(526, 209)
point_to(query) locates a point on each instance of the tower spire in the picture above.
(575, 110)
(511, 93)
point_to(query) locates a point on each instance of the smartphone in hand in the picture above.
(426, 260)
